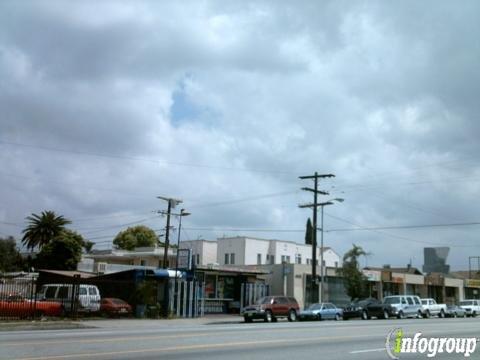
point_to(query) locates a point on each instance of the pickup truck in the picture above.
(431, 308)
(472, 307)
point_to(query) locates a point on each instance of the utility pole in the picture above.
(314, 205)
(171, 204)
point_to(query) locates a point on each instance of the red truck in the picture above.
(17, 306)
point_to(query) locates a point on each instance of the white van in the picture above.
(88, 296)
(405, 305)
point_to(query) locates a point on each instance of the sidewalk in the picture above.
(117, 323)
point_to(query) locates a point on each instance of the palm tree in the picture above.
(43, 228)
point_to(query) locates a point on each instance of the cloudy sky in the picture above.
(106, 105)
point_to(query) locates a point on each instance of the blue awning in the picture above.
(166, 273)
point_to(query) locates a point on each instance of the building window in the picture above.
(336, 264)
(272, 259)
(259, 259)
(298, 258)
(323, 262)
(198, 259)
(226, 259)
(143, 262)
(286, 259)
(232, 259)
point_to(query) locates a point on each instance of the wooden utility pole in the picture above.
(314, 205)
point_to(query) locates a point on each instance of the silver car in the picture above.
(404, 305)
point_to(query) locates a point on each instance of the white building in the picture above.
(204, 252)
(242, 250)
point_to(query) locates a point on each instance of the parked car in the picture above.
(455, 311)
(321, 311)
(88, 296)
(472, 307)
(380, 310)
(114, 306)
(15, 305)
(430, 307)
(270, 308)
(404, 306)
(360, 309)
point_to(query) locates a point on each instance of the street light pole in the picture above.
(322, 271)
(182, 214)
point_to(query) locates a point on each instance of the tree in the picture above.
(309, 232)
(137, 236)
(354, 280)
(62, 253)
(10, 258)
(43, 228)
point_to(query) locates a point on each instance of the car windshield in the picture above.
(466, 303)
(314, 307)
(392, 300)
(118, 302)
(424, 302)
(264, 300)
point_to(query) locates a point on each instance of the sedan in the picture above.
(455, 311)
(114, 306)
(321, 311)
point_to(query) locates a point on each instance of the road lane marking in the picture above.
(195, 347)
(366, 351)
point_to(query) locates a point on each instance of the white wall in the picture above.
(207, 250)
(235, 245)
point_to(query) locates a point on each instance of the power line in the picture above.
(131, 158)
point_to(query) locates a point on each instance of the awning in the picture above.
(166, 273)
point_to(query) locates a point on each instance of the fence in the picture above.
(250, 293)
(188, 299)
(17, 297)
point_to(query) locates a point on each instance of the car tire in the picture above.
(269, 316)
(337, 317)
(427, 314)
(419, 314)
(385, 314)
(39, 314)
(441, 315)
(474, 314)
(292, 315)
(247, 319)
(365, 315)
(455, 315)
(319, 317)
(401, 315)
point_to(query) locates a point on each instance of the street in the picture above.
(191, 339)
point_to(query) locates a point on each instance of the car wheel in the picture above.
(247, 319)
(442, 314)
(268, 316)
(364, 315)
(427, 314)
(385, 314)
(474, 314)
(319, 317)
(401, 315)
(337, 317)
(455, 315)
(39, 314)
(292, 315)
(419, 314)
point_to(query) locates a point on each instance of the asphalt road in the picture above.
(352, 340)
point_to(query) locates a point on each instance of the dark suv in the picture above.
(270, 308)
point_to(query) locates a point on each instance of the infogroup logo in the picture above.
(396, 343)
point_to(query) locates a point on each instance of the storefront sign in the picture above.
(372, 275)
(185, 259)
(472, 283)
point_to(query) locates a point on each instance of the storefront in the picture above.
(472, 289)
